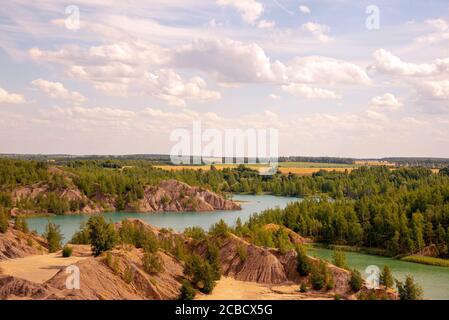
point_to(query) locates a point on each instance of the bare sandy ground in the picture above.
(37, 268)
(231, 289)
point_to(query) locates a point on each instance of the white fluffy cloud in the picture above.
(264, 24)
(386, 62)
(10, 98)
(434, 89)
(440, 33)
(56, 90)
(316, 69)
(228, 60)
(387, 101)
(305, 91)
(304, 9)
(167, 85)
(428, 79)
(112, 68)
(318, 31)
(250, 10)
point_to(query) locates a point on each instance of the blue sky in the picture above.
(132, 73)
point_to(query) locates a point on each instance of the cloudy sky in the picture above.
(130, 72)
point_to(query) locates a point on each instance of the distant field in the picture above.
(299, 168)
(315, 165)
(310, 171)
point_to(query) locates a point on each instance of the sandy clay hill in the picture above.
(267, 272)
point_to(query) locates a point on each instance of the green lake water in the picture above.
(178, 221)
(433, 280)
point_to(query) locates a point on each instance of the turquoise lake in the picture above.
(433, 280)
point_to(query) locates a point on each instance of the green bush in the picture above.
(128, 275)
(103, 236)
(21, 224)
(196, 233)
(53, 236)
(67, 251)
(4, 224)
(356, 281)
(304, 265)
(409, 290)
(340, 259)
(151, 263)
(81, 236)
(219, 229)
(242, 252)
(187, 291)
(201, 273)
(303, 288)
(317, 279)
(386, 278)
(321, 277)
(213, 258)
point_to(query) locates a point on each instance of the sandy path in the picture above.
(231, 289)
(37, 268)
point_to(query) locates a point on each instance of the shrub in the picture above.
(409, 290)
(151, 263)
(304, 265)
(103, 235)
(317, 279)
(67, 251)
(303, 288)
(53, 236)
(201, 273)
(337, 296)
(196, 233)
(386, 278)
(187, 291)
(112, 262)
(356, 281)
(128, 275)
(180, 250)
(340, 258)
(219, 229)
(4, 224)
(21, 224)
(213, 258)
(242, 252)
(81, 236)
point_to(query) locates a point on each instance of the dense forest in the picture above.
(399, 211)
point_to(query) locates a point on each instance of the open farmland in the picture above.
(298, 168)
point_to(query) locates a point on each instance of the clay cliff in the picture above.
(169, 195)
(17, 244)
(121, 274)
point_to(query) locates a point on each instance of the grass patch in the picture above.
(427, 260)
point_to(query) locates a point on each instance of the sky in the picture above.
(364, 79)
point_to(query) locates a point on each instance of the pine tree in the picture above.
(187, 291)
(102, 235)
(386, 278)
(53, 236)
(304, 265)
(409, 290)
